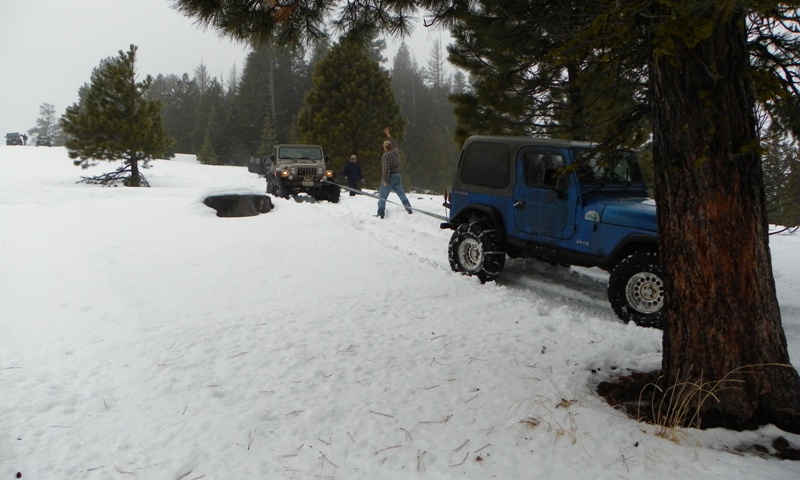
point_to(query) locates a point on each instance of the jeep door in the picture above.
(544, 205)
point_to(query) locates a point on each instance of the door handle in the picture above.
(519, 204)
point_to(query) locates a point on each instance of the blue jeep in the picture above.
(565, 202)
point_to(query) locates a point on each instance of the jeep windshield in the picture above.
(595, 167)
(300, 153)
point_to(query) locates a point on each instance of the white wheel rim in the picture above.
(645, 292)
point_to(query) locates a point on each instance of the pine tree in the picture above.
(212, 102)
(251, 104)
(47, 124)
(291, 79)
(349, 105)
(522, 85)
(202, 78)
(207, 154)
(180, 99)
(115, 121)
(268, 140)
(408, 85)
(273, 82)
(723, 320)
(781, 166)
(434, 161)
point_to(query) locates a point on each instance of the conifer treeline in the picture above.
(224, 122)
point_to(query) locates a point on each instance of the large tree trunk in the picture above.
(722, 316)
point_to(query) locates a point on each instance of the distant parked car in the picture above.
(14, 138)
(44, 141)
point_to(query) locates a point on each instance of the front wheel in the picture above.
(636, 290)
(475, 250)
(272, 187)
(333, 193)
(279, 189)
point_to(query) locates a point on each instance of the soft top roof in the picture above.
(518, 141)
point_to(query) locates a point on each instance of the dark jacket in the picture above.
(353, 173)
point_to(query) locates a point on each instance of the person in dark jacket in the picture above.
(352, 173)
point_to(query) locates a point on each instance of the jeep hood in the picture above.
(626, 212)
(299, 161)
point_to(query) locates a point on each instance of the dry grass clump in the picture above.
(681, 405)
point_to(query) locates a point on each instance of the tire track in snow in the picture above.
(420, 238)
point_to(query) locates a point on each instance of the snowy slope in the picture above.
(141, 336)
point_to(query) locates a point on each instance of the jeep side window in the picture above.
(542, 169)
(486, 164)
(593, 168)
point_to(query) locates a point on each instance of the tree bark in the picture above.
(723, 321)
(136, 179)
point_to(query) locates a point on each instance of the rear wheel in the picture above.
(636, 290)
(475, 250)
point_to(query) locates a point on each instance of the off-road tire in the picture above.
(333, 193)
(636, 290)
(475, 250)
(272, 187)
(278, 189)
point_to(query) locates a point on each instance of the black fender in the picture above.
(638, 242)
(475, 212)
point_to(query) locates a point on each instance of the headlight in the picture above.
(284, 173)
(329, 173)
(294, 170)
(319, 171)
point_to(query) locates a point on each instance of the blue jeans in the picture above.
(396, 186)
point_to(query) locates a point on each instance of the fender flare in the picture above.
(633, 243)
(470, 213)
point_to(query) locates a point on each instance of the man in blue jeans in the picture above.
(390, 175)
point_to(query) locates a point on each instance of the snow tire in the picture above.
(333, 193)
(636, 290)
(475, 250)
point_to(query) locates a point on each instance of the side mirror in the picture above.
(327, 159)
(272, 157)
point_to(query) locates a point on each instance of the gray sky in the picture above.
(48, 49)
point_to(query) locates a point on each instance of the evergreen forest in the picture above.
(341, 97)
(338, 96)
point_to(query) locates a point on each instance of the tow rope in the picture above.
(377, 197)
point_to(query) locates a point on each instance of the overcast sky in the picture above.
(48, 49)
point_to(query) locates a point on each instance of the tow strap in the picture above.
(377, 197)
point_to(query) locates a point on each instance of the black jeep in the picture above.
(14, 138)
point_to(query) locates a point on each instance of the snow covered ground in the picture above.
(141, 336)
